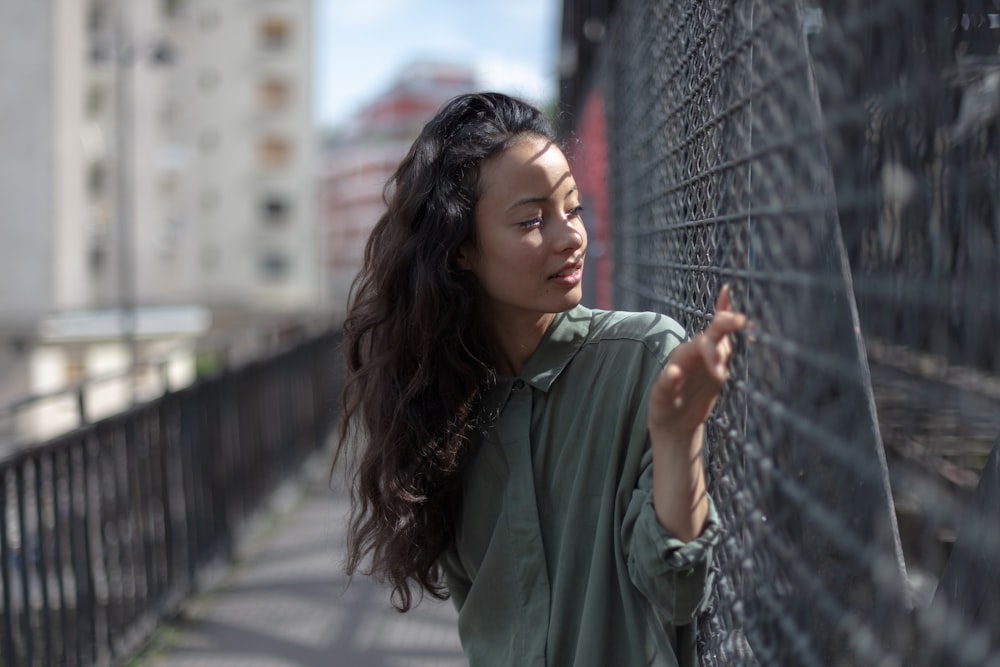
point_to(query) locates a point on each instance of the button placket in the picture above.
(523, 523)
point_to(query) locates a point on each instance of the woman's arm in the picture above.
(680, 401)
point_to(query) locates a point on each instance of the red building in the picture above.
(359, 159)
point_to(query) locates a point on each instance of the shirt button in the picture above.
(519, 384)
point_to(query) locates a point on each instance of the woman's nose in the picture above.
(572, 234)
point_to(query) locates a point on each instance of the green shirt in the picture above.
(558, 557)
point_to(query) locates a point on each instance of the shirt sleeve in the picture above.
(676, 577)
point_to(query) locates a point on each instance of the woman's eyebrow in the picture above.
(527, 200)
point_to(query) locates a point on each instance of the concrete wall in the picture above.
(26, 162)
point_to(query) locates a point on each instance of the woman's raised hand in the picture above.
(686, 390)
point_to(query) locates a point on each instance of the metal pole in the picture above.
(124, 204)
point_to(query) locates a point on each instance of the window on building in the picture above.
(275, 209)
(98, 16)
(97, 257)
(274, 93)
(274, 151)
(97, 179)
(274, 265)
(163, 52)
(99, 27)
(100, 53)
(173, 7)
(274, 33)
(95, 99)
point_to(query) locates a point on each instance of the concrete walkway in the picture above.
(285, 604)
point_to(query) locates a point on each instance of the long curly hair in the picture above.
(417, 355)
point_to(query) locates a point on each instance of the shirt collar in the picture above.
(558, 346)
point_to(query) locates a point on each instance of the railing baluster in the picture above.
(6, 558)
(27, 635)
(42, 569)
(60, 526)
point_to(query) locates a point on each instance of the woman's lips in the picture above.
(569, 276)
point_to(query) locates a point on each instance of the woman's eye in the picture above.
(528, 224)
(575, 211)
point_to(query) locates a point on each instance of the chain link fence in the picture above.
(836, 164)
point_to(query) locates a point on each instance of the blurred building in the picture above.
(158, 163)
(359, 159)
(247, 181)
(43, 261)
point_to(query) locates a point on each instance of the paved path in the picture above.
(285, 603)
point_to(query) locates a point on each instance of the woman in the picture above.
(539, 462)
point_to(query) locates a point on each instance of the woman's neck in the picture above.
(517, 340)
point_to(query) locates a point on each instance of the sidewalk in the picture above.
(285, 605)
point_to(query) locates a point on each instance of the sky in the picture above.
(361, 46)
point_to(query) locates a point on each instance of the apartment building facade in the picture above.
(158, 169)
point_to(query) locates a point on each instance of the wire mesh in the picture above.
(836, 164)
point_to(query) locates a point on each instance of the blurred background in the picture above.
(186, 181)
(187, 187)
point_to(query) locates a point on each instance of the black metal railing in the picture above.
(837, 165)
(103, 530)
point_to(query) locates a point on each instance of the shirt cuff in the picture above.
(674, 555)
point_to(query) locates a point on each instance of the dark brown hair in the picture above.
(417, 357)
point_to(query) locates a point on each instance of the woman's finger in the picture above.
(724, 300)
(725, 323)
(725, 348)
(711, 356)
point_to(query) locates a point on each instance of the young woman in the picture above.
(539, 462)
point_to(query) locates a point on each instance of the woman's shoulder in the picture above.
(655, 331)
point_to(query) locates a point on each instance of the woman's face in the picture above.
(531, 242)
